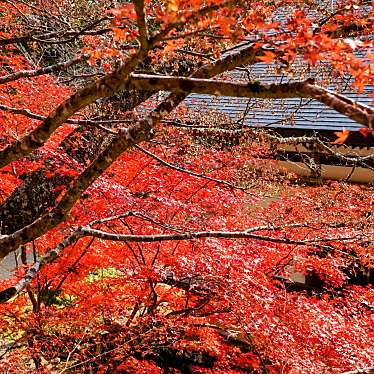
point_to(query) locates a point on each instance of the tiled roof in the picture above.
(301, 114)
(286, 113)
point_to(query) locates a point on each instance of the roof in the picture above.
(293, 113)
(288, 117)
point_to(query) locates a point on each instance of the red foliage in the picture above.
(213, 305)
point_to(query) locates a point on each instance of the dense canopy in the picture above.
(153, 238)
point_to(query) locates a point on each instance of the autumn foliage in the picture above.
(152, 240)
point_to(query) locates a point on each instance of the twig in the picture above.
(183, 170)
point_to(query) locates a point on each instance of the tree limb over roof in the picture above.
(361, 113)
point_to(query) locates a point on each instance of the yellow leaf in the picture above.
(172, 6)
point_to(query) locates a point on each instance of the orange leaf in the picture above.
(267, 57)
(342, 136)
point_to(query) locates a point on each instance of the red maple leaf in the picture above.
(365, 131)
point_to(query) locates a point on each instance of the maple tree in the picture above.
(161, 246)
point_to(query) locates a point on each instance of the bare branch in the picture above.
(56, 37)
(22, 111)
(320, 144)
(358, 112)
(29, 114)
(136, 215)
(217, 88)
(42, 71)
(89, 122)
(246, 234)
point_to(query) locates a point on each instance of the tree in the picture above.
(153, 250)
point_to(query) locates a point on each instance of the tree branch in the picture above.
(139, 131)
(48, 37)
(106, 86)
(96, 123)
(194, 17)
(42, 71)
(307, 89)
(354, 110)
(189, 172)
(52, 254)
(141, 22)
(322, 145)
(217, 88)
(246, 234)
(368, 370)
